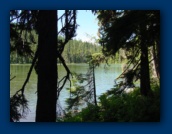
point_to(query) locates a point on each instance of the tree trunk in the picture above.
(157, 60)
(94, 84)
(145, 77)
(47, 66)
(153, 62)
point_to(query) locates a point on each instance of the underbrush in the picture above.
(124, 107)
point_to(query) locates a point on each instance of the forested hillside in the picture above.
(76, 51)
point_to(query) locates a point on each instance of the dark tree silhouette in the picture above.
(132, 30)
(47, 66)
(48, 52)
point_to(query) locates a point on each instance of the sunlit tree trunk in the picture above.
(47, 66)
(156, 53)
(153, 62)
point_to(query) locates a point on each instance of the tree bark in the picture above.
(47, 66)
(94, 84)
(157, 60)
(145, 77)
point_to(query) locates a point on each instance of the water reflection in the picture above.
(104, 81)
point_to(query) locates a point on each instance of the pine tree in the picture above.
(131, 29)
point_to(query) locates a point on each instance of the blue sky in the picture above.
(88, 24)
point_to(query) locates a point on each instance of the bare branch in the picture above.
(65, 78)
(131, 61)
(29, 73)
(12, 78)
(30, 70)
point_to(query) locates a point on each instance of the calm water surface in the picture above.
(104, 81)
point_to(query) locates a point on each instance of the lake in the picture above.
(104, 81)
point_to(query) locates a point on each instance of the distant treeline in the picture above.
(76, 51)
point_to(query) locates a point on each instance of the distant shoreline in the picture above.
(67, 63)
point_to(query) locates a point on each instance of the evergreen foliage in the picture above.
(44, 22)
(18, 107)
(120, 107)
(135, 31)
(75, 51)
